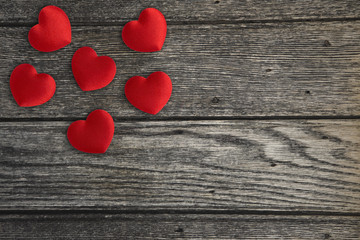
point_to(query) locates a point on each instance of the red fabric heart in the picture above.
(148, 33)
(94, 134)
(150, 94)
(53, 31)
(90, 71)
(30, 88)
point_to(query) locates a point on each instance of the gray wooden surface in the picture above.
(178, 226)
(276, 69)
(260, 139)
(249, 165)
(182, 11)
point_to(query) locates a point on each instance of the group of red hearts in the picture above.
(93, 72)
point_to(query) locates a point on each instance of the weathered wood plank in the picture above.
(197, 226)
(223, 70)
(252, 165)
(103, 11)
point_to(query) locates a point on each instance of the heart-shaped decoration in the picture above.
(53, 31)
(91, 71)
(146, 34)
(30, 88)
(94, 134)
(150, 94)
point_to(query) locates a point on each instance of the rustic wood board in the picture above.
(178, 226)
(193, 171)
(277, 69)
(250, 165)
(115, 12)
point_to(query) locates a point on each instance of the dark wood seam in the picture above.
(189, 118)
(176, 212)
(217, 22)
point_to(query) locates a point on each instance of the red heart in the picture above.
(148, 33)
(53, 31)
(149, 94)
(94, 134)
(30, 88)
(90, 71)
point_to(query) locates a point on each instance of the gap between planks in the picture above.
(187, 118)
(175, 23)
(90, 211)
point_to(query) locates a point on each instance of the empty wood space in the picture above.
(260, 138)
(178, 226)
(249, 165)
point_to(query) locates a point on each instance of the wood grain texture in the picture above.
(278, 69)
(237, 165)
(119, 12)
(227, 59)
(195, 226)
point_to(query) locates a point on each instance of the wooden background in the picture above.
(260, 139)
